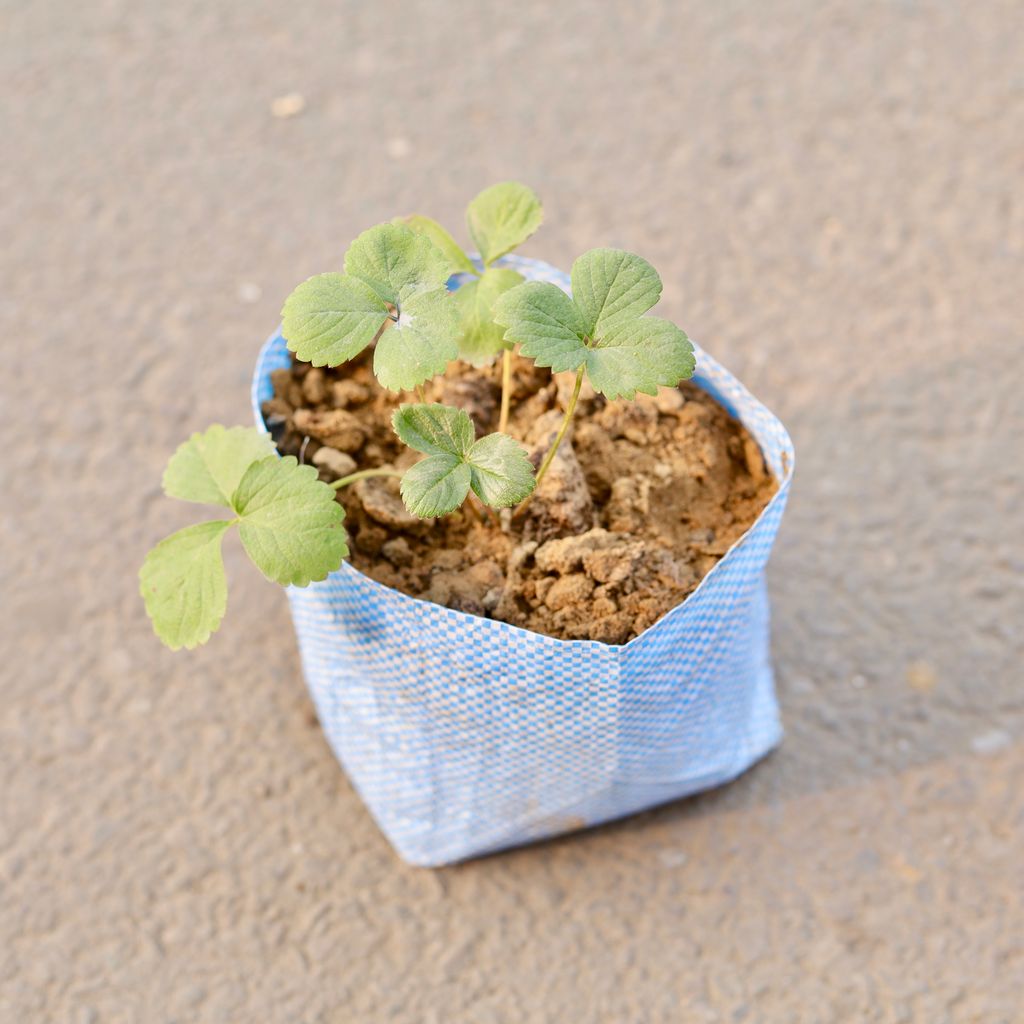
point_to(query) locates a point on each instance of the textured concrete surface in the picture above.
(832, 192)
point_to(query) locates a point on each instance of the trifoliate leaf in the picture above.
(639, 355)
(183, 585)
(601, 327)
(502, 217)
(208, 466)
(435, 486)
(502, 475)
(458, 261)
(331, 318)
(496, 466)
(545, 322)
(393, 259)
(482, 339)
(289, 522)
(434, 429)
(610, 287)
(421, 344)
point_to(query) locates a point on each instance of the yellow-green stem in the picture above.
(562, 430)
(506, 389)
(362, 474)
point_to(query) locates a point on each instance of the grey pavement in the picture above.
(832, 192)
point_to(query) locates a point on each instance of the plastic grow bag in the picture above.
(465, 735)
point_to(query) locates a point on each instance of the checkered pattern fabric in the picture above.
(465, 735)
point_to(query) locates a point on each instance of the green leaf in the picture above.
(393, 259)
(434, 429)
(208, 466)
(502, 217)
(421, 344)
(502, 475)
(458, 261)
(435, 486)
(545, 322)
(601, 326)
(290, 524)
(482, 339)
(183, 584)
(639, 355)
(330, 319)
(611, 287)
(496, 467)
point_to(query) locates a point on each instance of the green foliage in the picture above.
(499, 219)
(208, 466)
(481, 339)
(330, 319)
(503, 217)
(434, 429)
(183, 584)
(394, 260)
(502, 475)
(289, 523)
(436, 485)
(392, 295)
(602, 328)
(546, 323)
(421, 343)
(458, 261)
(394, 281)
(495, 468)
(610, 287)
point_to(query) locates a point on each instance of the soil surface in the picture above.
(641, 501)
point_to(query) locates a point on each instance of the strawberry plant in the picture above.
(499, 220)
(602, 332)
(392, 295)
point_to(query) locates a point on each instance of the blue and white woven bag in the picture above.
(465, 735)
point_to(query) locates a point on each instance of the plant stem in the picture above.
(421, 394)
(506, 389)
(569, 410)
(362, 474)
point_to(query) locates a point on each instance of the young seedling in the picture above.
(601, 332)
(499, 219)
(288, 521)
(392, 294)
(495, 468)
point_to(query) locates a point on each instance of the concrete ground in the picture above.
(832, 192)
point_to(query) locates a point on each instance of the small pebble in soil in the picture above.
(334, 463)
(629, 505)
(385, 506)
(334, 427)
(669, 400)
(397, 552)
(572, 589)
(314, 387)
(348, 392)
